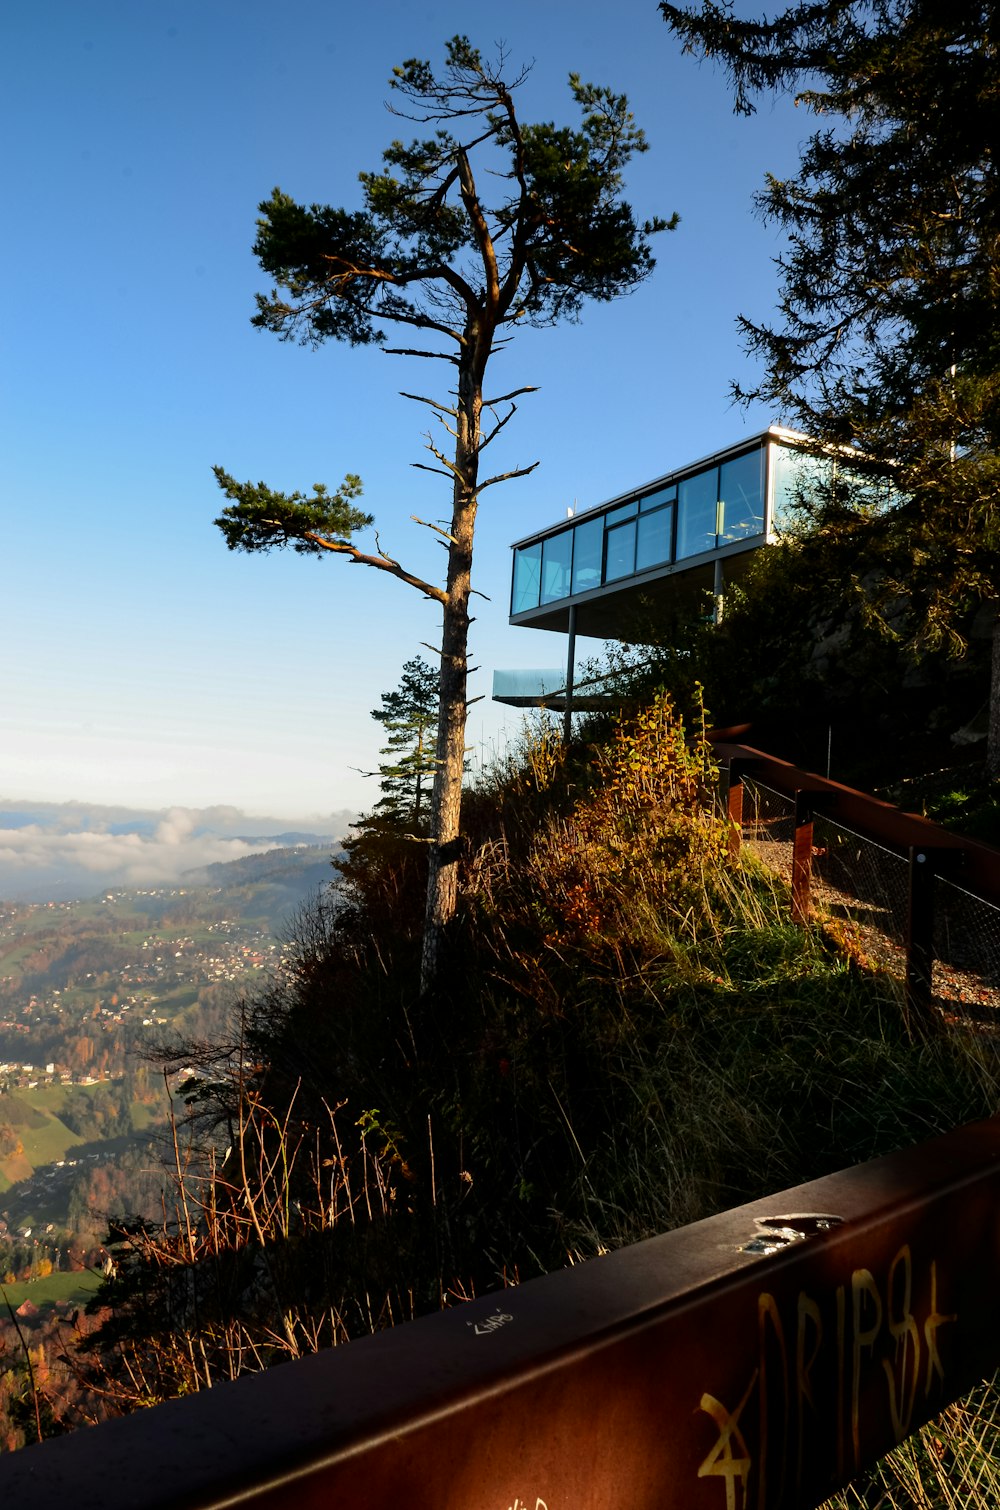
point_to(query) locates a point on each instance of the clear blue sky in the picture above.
(142, 663)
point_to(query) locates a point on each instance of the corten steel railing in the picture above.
(753, 1361)
(942, 875)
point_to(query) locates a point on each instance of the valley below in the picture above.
(92, 992)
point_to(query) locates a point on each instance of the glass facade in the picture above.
(588, 555)
(703, 510)
(742, 483)
(557, 558)
(527, 686)
(797, 476)
(803, 479)
(619, 551)
(527, 577)
(698, 514)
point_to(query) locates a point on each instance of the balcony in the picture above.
(548, 689)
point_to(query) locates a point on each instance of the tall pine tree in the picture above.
(483, 225)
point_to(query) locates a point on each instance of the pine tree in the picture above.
(888, 338)
(429, 252)
(408, 714)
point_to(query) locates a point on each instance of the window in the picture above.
(798, 475)
(697, 498)
(588, 547)
(557, 558)
(527, 577)
(619, 559)
(658, 499)
(653, 540)
(741, 489)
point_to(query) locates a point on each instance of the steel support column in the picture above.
(570, 673)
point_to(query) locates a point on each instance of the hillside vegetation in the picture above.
(632, 1035)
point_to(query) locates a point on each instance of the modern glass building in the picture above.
(606, 572)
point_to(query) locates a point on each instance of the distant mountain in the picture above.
(281, 878)
(284, 841)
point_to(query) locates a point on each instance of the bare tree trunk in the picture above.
(446, 797)
(993, 739)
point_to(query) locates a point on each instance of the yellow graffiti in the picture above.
(905, 1333)
(862, 1284)
(808, 1311)
(858, 1352)
(934, 1320)
(722, 1462)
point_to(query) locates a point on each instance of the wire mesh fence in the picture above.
(769, 826)
(864, 884)
(967, 951)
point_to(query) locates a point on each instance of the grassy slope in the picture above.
(75, 1287)
(46, 1138)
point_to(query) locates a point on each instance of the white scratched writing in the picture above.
(490, 1323)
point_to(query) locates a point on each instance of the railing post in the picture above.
(570, 667)
(802, 848)
(739, 768)
(920, 929)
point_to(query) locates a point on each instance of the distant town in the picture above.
(88, 988)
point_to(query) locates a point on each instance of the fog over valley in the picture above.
(61, 851)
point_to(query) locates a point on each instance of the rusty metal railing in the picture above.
(753, 1361)
(930, 851)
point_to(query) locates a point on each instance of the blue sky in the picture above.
(140, 662)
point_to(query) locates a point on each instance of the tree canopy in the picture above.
(886, 341)
(427, 251)
(458, 269)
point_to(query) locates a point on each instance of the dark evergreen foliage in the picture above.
(886, 341)
(408, 715)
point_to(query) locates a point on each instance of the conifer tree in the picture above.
(887, 338)
(408, 715)
(483, 225)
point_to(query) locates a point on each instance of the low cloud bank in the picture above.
(53, 852)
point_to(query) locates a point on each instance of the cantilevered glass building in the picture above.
(616, 570)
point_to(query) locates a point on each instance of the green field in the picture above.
(46, 1138)
(75, 1287)
(51, 1141)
